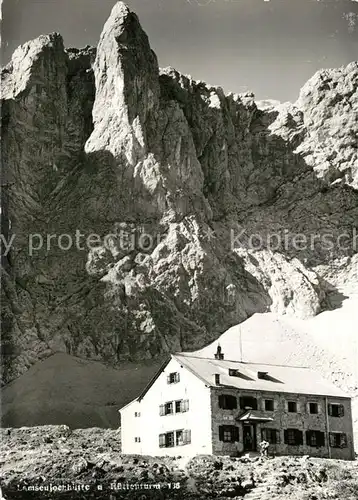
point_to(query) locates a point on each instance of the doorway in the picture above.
(249, 437)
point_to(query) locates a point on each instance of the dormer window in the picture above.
(233, 372)
(262, 375)
(173, 378)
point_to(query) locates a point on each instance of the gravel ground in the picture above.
(35, 462)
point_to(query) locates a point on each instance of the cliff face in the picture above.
(149, 211)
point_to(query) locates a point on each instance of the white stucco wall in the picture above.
(150, 424)
(130, 428)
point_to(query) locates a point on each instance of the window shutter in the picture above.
(161, 410)
(222, 401)
(308, 437)
(187, 436)
(341, 411)
(285, 435)
(168, 379)
(161, 440)
(330, 412)
(331, 439)
(235, 433)
(320, 439)
(299, 437)
(344, 443)
(277, 437)
(185, 405)
(221, 433)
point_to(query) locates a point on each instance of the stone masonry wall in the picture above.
(302, 420)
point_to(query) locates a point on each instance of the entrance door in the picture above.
(249, 437)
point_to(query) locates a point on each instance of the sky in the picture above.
(269, 47)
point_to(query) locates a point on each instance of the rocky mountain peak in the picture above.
(30, 64)
(151, 212)
(127, 86)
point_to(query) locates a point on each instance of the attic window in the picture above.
(233, 372)
(262, 375)
(173, 378)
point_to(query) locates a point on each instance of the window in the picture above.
(175, 438)
(315, 438)
(248, 402)
(181, 406)
(227, 402)
(137, 413)
(169, 439)
(269, 405)
(262, 375)
(233, 372)
(173, 378)
(137, 439)
(166, 409)
(182, 437)
(292, 406)
(313, 408)
(337, 440)
(335, 410)
(228, 433)
(179, 438)
(271, 435)
(293, 437)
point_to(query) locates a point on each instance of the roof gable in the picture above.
(156, 376)
(159, 372)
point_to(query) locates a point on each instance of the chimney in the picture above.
(219, 354)
(217, 378)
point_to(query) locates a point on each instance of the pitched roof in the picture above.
(153, 379)
(126, 406)
(288, 379)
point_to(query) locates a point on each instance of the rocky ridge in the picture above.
(167, 172)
